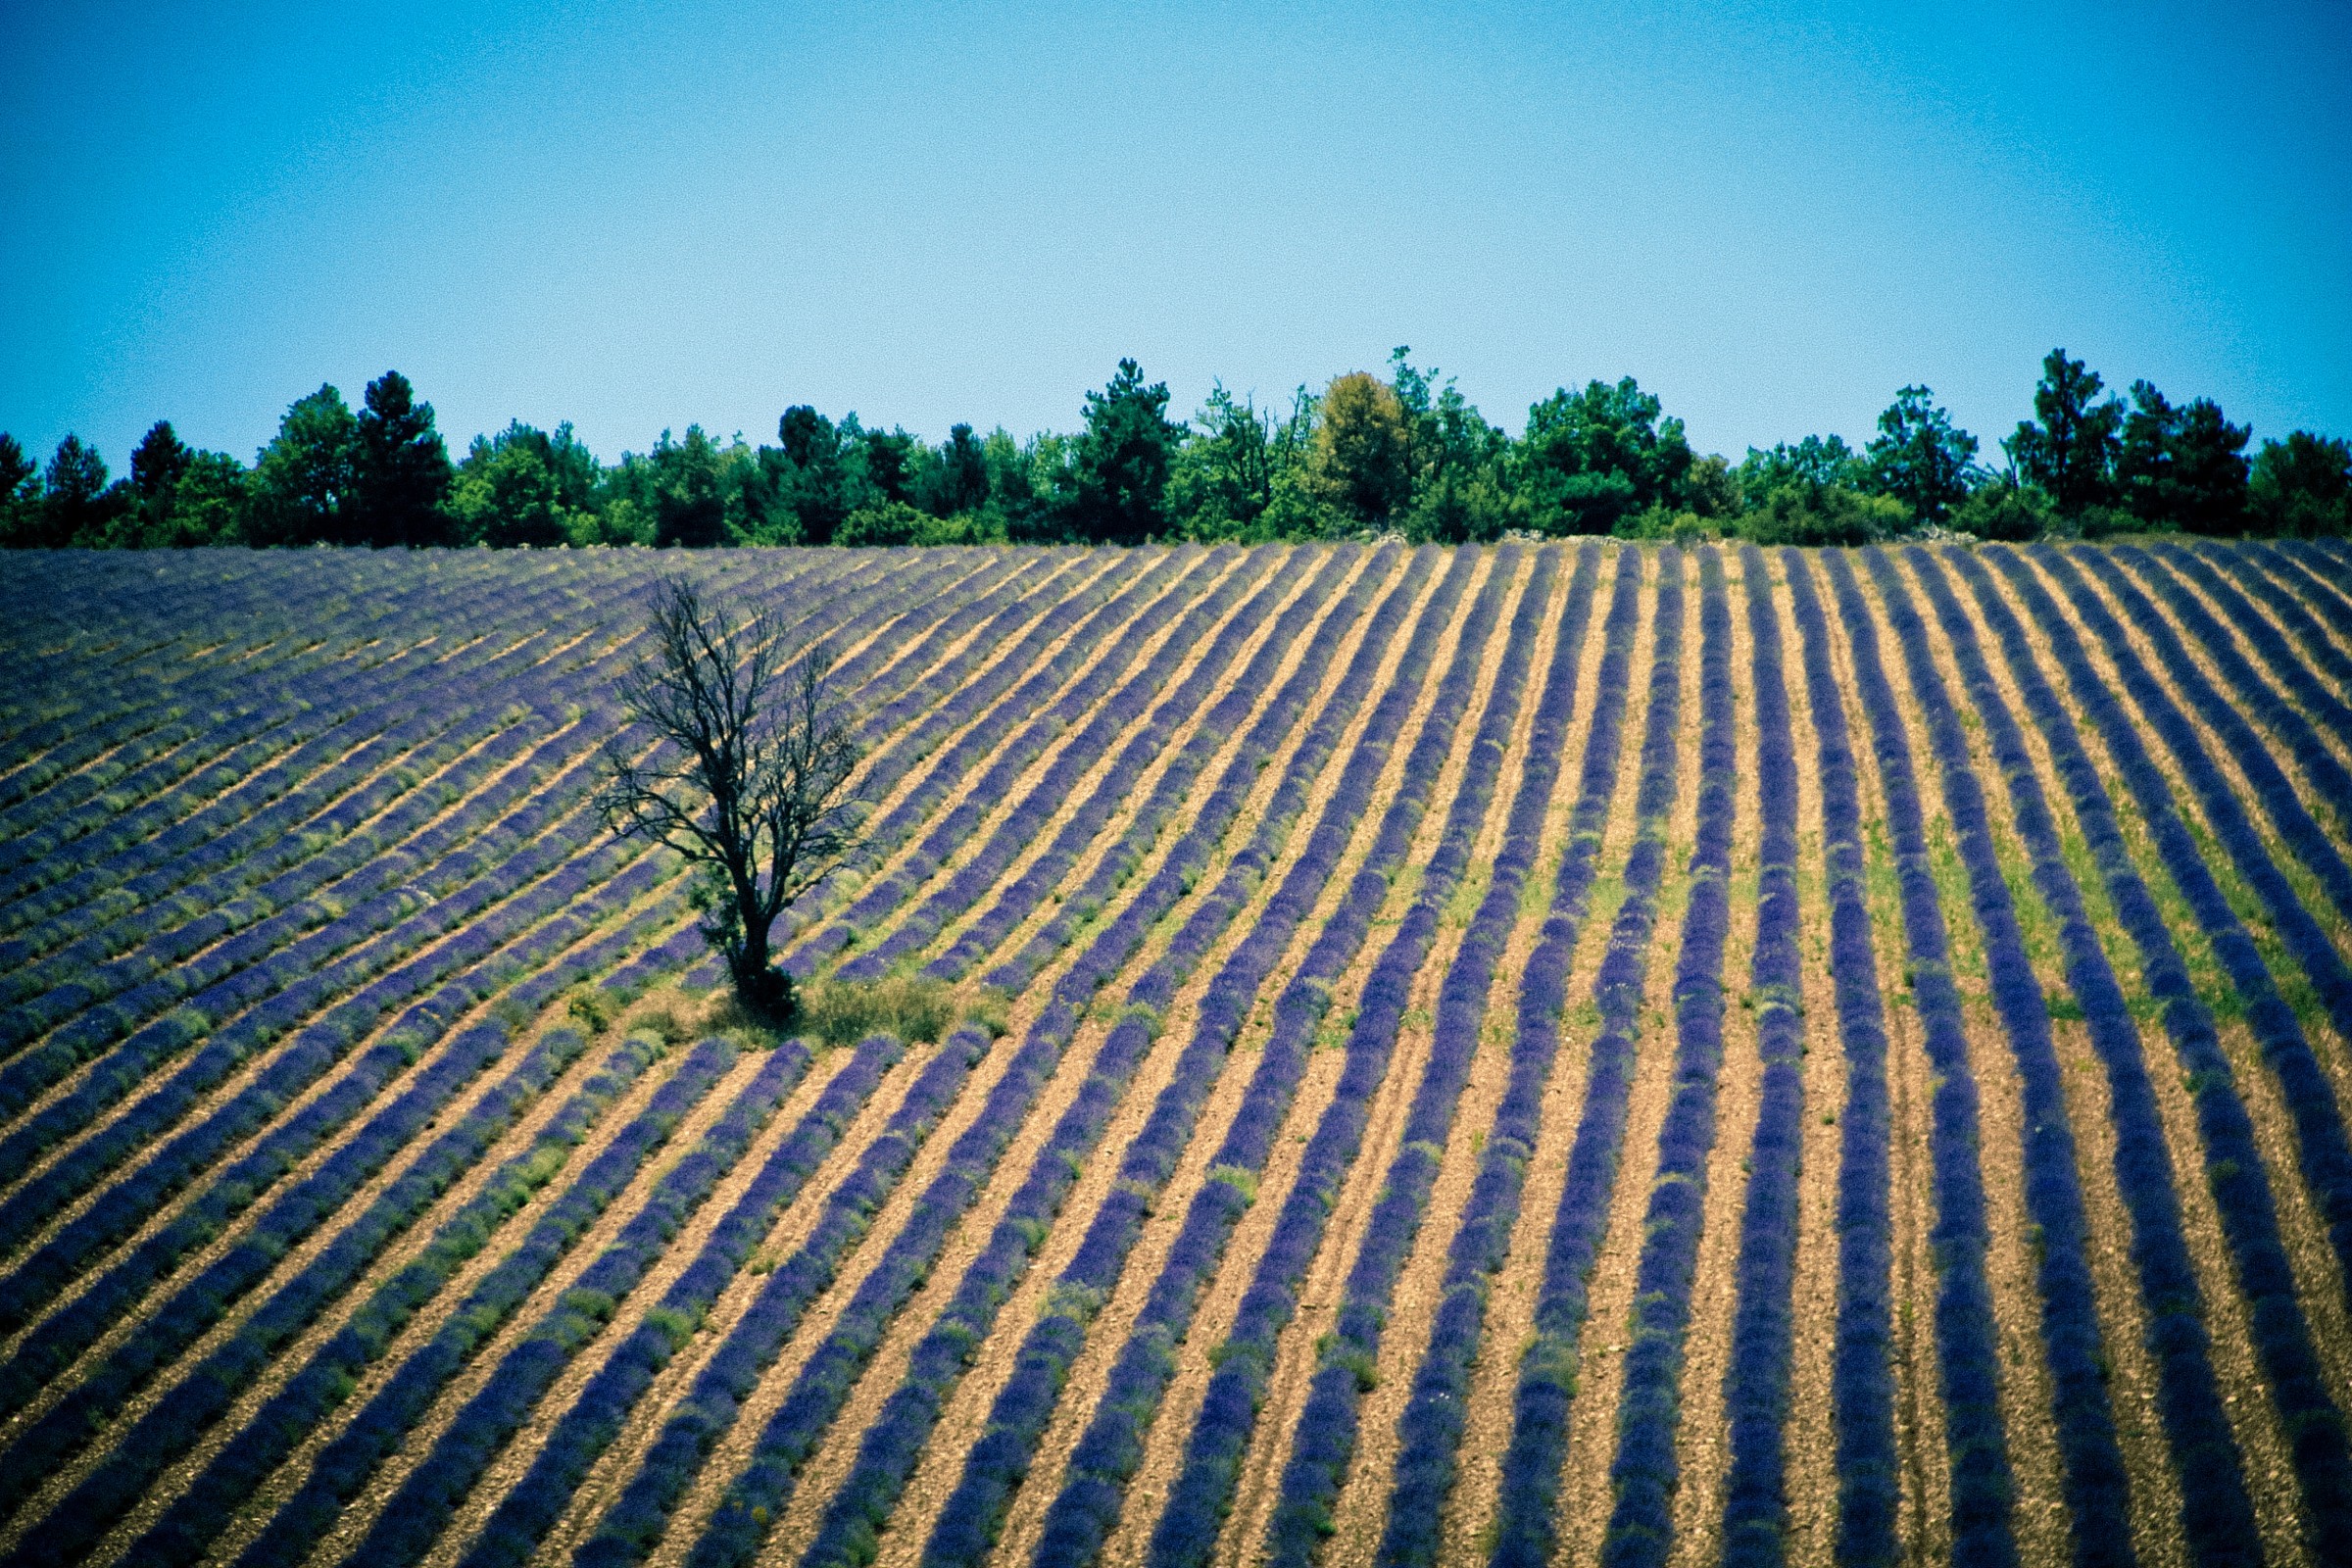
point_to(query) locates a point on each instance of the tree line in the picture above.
(1402, 452)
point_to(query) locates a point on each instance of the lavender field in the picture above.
(1549, 1053)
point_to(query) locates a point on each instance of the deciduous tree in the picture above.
(749, 779)
(1362, 450)
(2303, 485)
(302, 481)
(1920, 457)
(1593, 457)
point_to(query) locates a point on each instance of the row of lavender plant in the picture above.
(1120, 715)
(188, 709)
(345, 1466)
(1141, 721)
(133, 638)
(890, 1447)
(792, 1435)
(1966, 1338)
(330, 1036)
(1016, 1420)
(1121, 862)
(419, 1511)
(1645, 1473)
(979, 712)
(2266, 634)
(181, 726)
(1524, 1526)
(201, 1396)
(354, 894)
(461, 717)
(2217, 1517)
(107, 629)
(161, 1435)
(2333, 553)
(2074, 1352)
(217, 818)
(635, 1522)
(464, 713)
(594, 1419)
(57, 1339)
(190, 792)
(244, 874)
(1755, 1385)
(2246, 570)
(549, 706)
(1012, 735)
(1245, 1361)
(1430, 1431)
(54, 1341)
(2234, 1167)
(2254, 695)
(1323, 1436)
(283, 701)
(1861, 1374)
(2320, 1134)
(2292, 567)
(2278, 798)
(958, 588)
(1016, 615)
(368, 792)
(355, 992)
(326, 1379)
(79, 1520)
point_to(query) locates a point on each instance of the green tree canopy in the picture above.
(1222, 480)
(157, 461)
(1593, 457)
(810, 482)
(1816, 462)
(1118, 474)
(2303, 485)
(400, 469)
(677, 486)
(2068, 449)
(1920, 458)
(506, 494)
(301, 479)
(20, 492)
(2183, 466)
(209, 503)
(959, 482)
(1362, 451)
(76, 506)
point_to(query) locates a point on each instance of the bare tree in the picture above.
(750, 782)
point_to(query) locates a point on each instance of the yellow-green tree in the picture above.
(1362, 449)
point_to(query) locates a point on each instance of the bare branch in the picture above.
(749, 775)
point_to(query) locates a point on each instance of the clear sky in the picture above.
(638, 216)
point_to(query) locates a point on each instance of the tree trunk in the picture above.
(765, 990)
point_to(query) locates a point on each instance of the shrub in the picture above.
(2002, 512)
(1823, 514)
(591, 1009)
(917, 1010)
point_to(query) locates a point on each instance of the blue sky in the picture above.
(636, 215)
